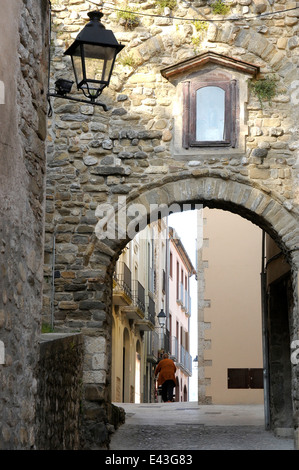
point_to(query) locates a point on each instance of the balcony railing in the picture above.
(147, 323)
(151, 310)
(152, 346)
(139, 296)
(185, 360)
(163, 280)
(174, 348)
(164, 341)
(180, 298)
(184, 298)
(123, 278)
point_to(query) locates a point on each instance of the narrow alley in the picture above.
(189, 426)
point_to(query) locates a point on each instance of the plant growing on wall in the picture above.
(128, 17)
(46, 328)
(161, 4)
(127, 60)
(200, 27)
(195, 41)
(220, 8)
(265, 89)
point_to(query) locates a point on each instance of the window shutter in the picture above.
(245, 378)
(238, 378)
(186, 115)
(256, 378)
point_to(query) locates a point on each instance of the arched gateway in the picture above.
(133, 213)
(183, 127)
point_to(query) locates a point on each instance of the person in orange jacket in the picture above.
(166, 370)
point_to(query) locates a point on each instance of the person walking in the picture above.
(166, 369)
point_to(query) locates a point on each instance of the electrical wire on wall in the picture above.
(214, 20)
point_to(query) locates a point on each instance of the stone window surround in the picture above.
(232, 109)
(206, 67)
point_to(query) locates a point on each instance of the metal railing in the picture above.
(139, 295)
(174, 348)
(185, 360)
(166, 341)
(123, 278)
(184, 298)
(152, 344)
(151, 314)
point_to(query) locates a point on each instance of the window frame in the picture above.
(190, 88)
(243, 378)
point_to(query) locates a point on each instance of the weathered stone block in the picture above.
(67, 305)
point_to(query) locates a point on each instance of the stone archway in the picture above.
(135, 171)
(250, 202)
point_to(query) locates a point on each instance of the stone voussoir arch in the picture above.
(244, 198)
(249, 200)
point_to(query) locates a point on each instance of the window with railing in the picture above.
(163, 281)
(174, 351)
(139, 295)
(185, 360)
(152, 344)
(167, 341)
(180, 293)
(123, 277)
(151, 309)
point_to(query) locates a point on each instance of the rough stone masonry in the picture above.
(133, 151)
(23, 71)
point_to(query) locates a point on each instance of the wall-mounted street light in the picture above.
(162, 318)
(162, 323)
(93, 55)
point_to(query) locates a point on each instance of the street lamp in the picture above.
(93, 56)
(162, 323)
(162, 318)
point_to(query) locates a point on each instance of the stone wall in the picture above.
(60, 392)
(128, 153)
(23, 71)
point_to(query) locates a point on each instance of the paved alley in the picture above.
(189, 426)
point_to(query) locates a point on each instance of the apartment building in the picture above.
(151, 276)
(230, 344)
(180, 271)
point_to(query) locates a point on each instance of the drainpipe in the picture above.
(265, 334)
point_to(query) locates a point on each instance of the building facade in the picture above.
(151, 276)
(230, 314)
(137, 294)
(180, 271)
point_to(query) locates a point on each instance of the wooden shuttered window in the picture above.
(245, 378)
(190, 117)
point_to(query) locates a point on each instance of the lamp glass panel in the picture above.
(98, 62)
(210, 114)
(77, 64)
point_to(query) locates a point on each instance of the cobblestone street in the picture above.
(189, 426)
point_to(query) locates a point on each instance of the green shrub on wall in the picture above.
(264, 89)
(220, 8)
(127, 60)
(128, 17)
(161, 4)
